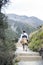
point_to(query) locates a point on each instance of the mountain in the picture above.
(33, 21)
(18, 23)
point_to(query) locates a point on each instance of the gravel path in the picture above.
(20, 51)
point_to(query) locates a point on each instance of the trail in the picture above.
(27, 57)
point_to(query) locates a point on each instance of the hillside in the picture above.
(18, 23)
(36, 40)
(32, 21)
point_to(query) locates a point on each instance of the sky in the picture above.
(25, 7)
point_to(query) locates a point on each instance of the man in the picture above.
(24, 40)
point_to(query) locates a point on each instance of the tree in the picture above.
(3, 23)
(5, 56)
(2, 2)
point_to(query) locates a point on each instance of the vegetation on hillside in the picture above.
(36, 40)
(6, 45)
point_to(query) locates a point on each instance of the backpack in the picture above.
(24, 39)
(24, 36)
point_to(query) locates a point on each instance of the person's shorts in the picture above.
(24, 41)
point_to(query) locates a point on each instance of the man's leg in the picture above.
(23, 46)
(26, 47)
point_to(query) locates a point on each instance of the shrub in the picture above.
(36, 40)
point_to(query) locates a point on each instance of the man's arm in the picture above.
(20, 37)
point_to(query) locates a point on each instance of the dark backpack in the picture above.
(24, 36)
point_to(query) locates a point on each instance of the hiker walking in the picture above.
(24, 40)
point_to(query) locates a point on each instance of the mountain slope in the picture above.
(20, 23)
(33, 21)
(36, 40)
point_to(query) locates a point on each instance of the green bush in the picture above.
(7, 46)
(5, 58)
(36, 40)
